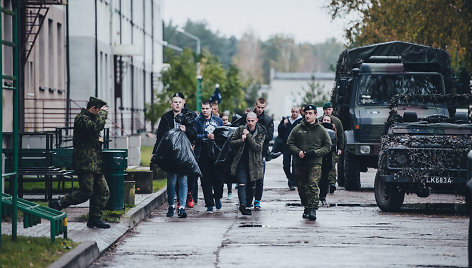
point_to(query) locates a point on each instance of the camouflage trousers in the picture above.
(332, 173)
(308, 179)
(91, 186)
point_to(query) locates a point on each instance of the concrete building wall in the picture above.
(136, 25)
(45, 75)
(284, 92)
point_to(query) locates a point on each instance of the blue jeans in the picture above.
(172, 180)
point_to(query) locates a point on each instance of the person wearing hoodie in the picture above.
(309, 142)
(212, 179)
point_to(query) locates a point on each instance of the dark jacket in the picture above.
(339, 131)
(87, 154)
(167, 123)
(202, 128)
(255, 143)
(312, 139)
(263, 120)
(285, 129)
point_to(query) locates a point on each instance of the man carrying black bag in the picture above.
(206, 153)
(175, 118)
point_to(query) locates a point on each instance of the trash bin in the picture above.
(115, 162)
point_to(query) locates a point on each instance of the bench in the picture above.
(40, 163)
(33, 213)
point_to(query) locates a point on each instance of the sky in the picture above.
(304, 20)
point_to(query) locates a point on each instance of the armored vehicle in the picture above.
(366, 79)
(422, 156)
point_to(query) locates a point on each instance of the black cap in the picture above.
(179, 94)
(310, 107)
(96, 102)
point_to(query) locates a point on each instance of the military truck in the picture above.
(421, 156)
(366, 79)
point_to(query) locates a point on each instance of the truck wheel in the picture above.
(341, 170)
(388, 197)
(352, 173)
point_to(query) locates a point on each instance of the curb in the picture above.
(87, 252)
(81, 256)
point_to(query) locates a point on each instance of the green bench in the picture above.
(43, 164)
(33, 213)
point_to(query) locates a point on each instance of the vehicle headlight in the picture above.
(401, 159)
(364, 149)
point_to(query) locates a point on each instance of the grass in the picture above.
(146, 154)
(32, 251)
(158, 184)
(38, 187)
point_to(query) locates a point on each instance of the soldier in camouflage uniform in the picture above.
(328, 110)
(309, 142)
(87, 161)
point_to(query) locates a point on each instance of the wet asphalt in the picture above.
(351, 232)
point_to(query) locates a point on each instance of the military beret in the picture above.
(310, 107)
(96, 102)
(179, 94)
(327, 105)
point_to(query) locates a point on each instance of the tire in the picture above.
(352, 173)
(388, 197)
(341, 170)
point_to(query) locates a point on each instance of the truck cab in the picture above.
(367, 78)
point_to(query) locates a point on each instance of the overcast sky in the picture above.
(305, 20)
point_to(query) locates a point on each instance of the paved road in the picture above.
(352, 232)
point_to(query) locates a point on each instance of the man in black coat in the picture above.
(177, 117)
(285, 127)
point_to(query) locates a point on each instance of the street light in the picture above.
(199, 77)
(182, 31)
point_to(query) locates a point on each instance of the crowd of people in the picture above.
(310, 146)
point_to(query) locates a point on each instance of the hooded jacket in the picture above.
(255, 142)
(310, 138)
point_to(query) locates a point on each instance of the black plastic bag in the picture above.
(225, 158)
(174, 154)
(212, 148)
(278, 145)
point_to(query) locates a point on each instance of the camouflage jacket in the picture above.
(87, 155)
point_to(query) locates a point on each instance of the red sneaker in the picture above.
(190, 202)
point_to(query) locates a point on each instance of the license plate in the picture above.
(439, 180)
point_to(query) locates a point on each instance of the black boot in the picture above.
(54, 204)
(332, 188)
(312, 214)
(95, 222)
(244, 210)
(305, 213)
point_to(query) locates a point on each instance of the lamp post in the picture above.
(199, 77)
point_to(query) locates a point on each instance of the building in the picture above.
(288, 89)
(116, 55)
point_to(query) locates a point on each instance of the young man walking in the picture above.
(87, 162)
(212, 178)
(168, 121)
(265, 121)
(328, 110)
(247, 165)
(309, 142)
(284, 129)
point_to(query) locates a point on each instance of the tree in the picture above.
(314, 93)
(442, 24)
(248, 58)
(180, 77)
